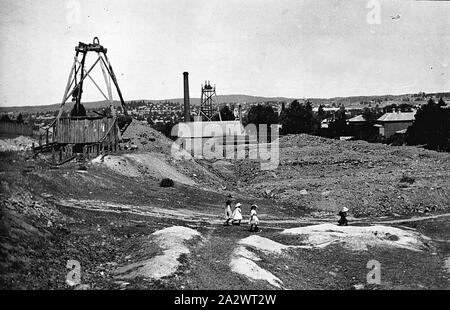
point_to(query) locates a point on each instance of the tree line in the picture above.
(430, 129)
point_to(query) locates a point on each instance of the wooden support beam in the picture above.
(114, 79)
(82, 79)
(107, 82)
(96, 85)
(69, 83)
(79, 86)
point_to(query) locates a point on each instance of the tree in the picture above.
(19, 119)
(150, 121)
(390, 108)
(299, 118)
(405, 107)
(431, 127)
(368, 131)
(338, 127)
(5, 118)
(165, 128)
(321, 114)
(261, 114)
(225, 113)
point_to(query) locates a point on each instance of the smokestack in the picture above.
(187, 110)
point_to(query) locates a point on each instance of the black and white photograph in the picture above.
(224, 151)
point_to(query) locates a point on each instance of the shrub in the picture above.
(225, 114)
(166, 182)
(260, 115)
(299, 118)
(431, 127)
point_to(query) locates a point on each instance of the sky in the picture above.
(289, 48)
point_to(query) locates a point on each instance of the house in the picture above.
(358, 119)
(356, 123)
(391, 123)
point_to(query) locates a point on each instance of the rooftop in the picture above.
(398, 117)
(357, 118)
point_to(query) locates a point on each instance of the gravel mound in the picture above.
(18, 144)
(361, 238)
(171, 241)
(146, 138)
(243, 262)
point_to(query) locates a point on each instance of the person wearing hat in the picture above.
(228, 213)
(237, 214)
(343, 214)
(254, 221)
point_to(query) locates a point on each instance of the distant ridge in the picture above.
(220, 99)
(103, 104)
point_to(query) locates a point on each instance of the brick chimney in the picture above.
(187, 109)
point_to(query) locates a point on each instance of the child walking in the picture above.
(228, 213)
(253, 221)
(237, 214)
(343, 214)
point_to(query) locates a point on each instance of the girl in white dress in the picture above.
(237, 214)
(253, 221)
(228, 213)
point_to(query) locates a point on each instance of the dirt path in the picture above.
(102, 206)
(413, 219)
(196, 216)
(311, 221)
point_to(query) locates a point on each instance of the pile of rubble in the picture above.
(18, 144)
(143, 137)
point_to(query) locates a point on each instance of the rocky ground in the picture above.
(370, 179)
(126, 232)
